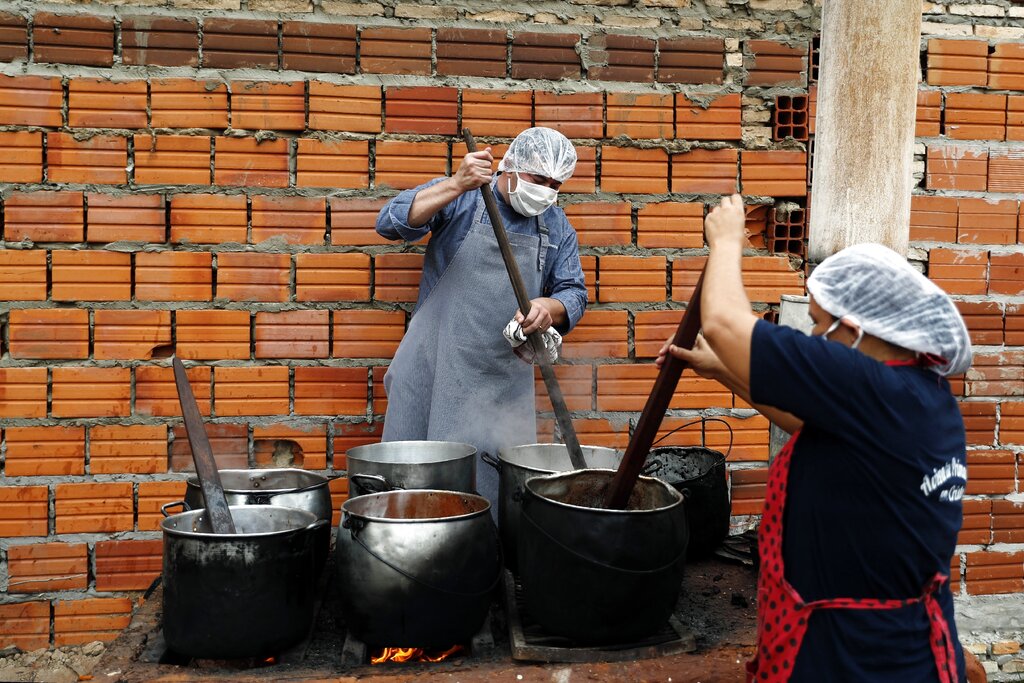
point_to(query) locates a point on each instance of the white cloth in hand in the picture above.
(520, 344)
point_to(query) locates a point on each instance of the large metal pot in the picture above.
(517, 464)
(439, 465)
(241, 595)
(416, 568)
(596, 575)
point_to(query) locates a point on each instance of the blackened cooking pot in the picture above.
(516, 464)
(242, 595)
(416, 568)
(596, 575)
(438, 465)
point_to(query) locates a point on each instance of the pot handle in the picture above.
(703, 440)
(375, 479)
(318, 524)
(490, 460)
(167, 506)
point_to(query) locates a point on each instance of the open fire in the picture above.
(413, 654)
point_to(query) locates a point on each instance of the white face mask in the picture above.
(530, 199)
(835, 326)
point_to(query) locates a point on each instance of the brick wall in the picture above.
(206, 182)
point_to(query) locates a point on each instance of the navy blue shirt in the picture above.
(562, 277)
(873, 503)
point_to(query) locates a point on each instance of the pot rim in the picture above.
(193, 480)
(246, 509)
(356, 453)
(506, 461)
(672, 491)
(398, 492)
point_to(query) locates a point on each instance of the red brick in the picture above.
(631, 279)
(705, 171)
(292, 334)
(295, 220)
(601, 224)
(599, 334)
(348, 436)
(332, 277)
(378, 397)
(928, 120)
(229, 442)
(1013, 329)
(690, 60)
(708, 119)
(589, 264)
(239, 43)
(627, 387)
(549, 56)
(187, 103)
(421, 110)
(956, 168)
(1011, 423)
(250, 391)
(957, 62)
(268, 106)
(160, 41)
(333, 163)
(403, 165)
(208, 218)
(791, 115)
(631, 170)
(748, 490)
(49, 333)
(339, 494)
(23, 273)
(331, 391)
(397, 276)
(132, 218)
(933, 218)
(575, 382)
(638, 115)
(250, 162)
(31, 101)
(128, 565)
(1006, 67)
(45, 567)
(100, 159)
(23, 512)
(395, 50)
(990, 472)
(1007, 522)
(353, 221)
(172, 160)
(1005, 169)
(1006, 274)
(36, 451)
(251, 276)
(987, 221)
(13, 37)
(958, 271)
(93, 507)
(471, 52)
(173, 276)
(22, 392)
(1015, 117)
(44, 217)
(212, 334)
(23, 154)
(652, 328)
(502, 113)
(283, 446)
(129, 449)
(308, 46)
(73, 39)
(765, 278)
(774, 173)
(621, 58)
(153, 495)
(351, 108)
(972, 116)
(367, 333)
(100, 103)
(26, 625)
(156, 394)
(576, 115)
(91, 392)
(91, 275)
(990, 573)
(996, 374)
(76, 622)
(977, 524)
(773, 63)
(984, 321)
(584, 178)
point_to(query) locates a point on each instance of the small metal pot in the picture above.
(242, 595)
(517, 464)
(438, 465)
(416, 568)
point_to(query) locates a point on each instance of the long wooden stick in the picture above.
(657, 403)
(565, 426)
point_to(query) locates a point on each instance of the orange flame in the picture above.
(413, 654)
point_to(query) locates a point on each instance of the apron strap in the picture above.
(542, 253)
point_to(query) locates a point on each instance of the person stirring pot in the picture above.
(456, 376)
(863, 504)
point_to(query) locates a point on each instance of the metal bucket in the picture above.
(516, 464)
(438, 465)
(600, 576)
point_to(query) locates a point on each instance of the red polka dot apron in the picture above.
(782, 614)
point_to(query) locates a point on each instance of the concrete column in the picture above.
(863, 148)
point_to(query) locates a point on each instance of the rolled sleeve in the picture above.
(393, 219)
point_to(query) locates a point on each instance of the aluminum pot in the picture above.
(600, 576)
(417, 568)
(438, 465)
(242, 595)
(517, 464)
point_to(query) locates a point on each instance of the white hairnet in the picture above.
(890, 300)
(541, 151)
